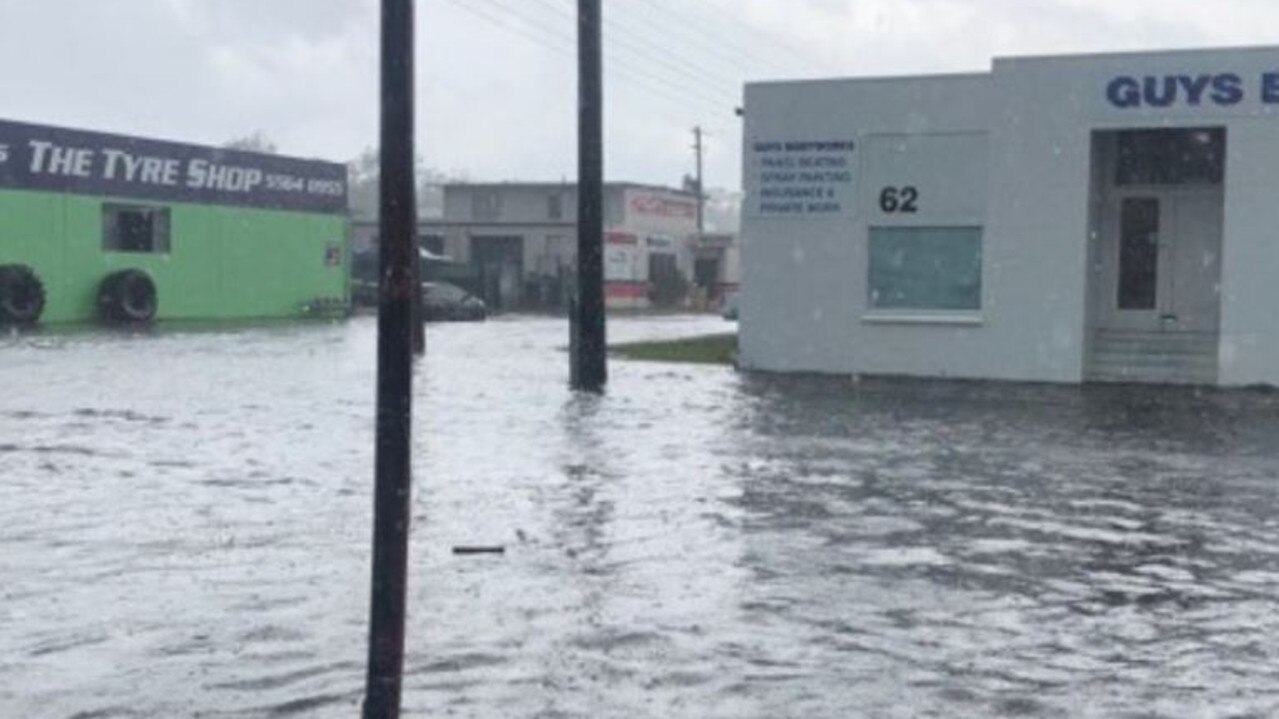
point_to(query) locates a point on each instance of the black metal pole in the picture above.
(392, 455)
(589, 368)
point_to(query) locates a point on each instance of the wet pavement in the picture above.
(185, 518)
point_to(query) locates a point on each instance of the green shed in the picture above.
(114, 228)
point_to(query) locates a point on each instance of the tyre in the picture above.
(127, 297)
(21, 295)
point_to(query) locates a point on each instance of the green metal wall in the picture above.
(224, 262)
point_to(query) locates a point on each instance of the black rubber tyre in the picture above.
(21, 295)
(127, 297)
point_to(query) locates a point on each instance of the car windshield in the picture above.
(639, 358)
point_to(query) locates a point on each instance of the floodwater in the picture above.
(185, 519)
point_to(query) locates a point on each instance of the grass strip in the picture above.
(707, 349)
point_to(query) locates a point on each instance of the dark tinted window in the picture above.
(1193, 156)
(1138, 253)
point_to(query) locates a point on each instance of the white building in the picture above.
(1063, 219)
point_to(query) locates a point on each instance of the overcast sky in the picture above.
(496, 83)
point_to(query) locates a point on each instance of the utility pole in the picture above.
(397, 205)
(701, 196)
(588, 369)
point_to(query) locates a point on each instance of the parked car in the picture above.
(444, 302)
(364, 292)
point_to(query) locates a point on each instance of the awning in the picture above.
(428, 255)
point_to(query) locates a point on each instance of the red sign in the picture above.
(621, 238)
(663, 206)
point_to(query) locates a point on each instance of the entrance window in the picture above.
(1181, 156)
(925, 268)
(1138, 253)
(135, 228)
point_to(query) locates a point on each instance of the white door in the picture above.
(1194, 262)
(1161, 261)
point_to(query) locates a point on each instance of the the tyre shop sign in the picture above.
(801, 178)
(35, 157)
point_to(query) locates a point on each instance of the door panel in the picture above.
(1161, 257)
(1194, 263)
(1133, 276)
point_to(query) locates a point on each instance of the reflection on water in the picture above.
(184, 524)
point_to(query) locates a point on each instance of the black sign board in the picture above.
(54, 159)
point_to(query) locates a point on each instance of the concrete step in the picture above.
(1155, 357)
(1171, 343)
(1153, 377)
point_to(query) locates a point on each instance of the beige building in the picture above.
(515, 244)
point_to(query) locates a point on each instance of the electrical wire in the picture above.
(804, 61)
(641, 44)
(709, 55)
(648, 64)
(656, 86)
(755, 55)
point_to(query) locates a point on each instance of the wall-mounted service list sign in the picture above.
(802, 178)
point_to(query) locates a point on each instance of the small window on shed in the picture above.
(925, 268)
(135, 228)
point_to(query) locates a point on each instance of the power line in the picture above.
(640, 46)
(655, 86)
(745, 54)
(801, 57)
(704, 53)
(559, 40)
(637, 36)
(698, 86)
(714, 48)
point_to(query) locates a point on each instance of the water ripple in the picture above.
(188, 536)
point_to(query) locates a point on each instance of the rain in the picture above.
(765, 359)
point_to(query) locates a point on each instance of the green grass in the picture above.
(708, 349)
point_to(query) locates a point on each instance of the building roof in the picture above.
(1000, 60)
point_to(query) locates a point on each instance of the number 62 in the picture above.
(892, 199)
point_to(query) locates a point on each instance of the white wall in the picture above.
(804, 278)
(1250, 254)
(517, 202)
(804, 304)
(1050, 108)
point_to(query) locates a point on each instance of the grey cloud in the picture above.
(496, 103)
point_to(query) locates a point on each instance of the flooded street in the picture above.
(185, 526)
